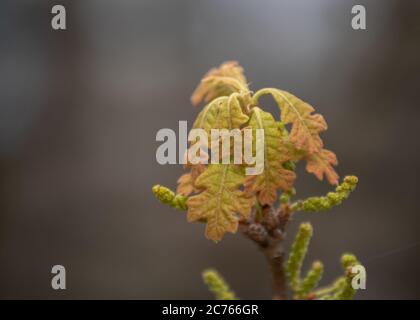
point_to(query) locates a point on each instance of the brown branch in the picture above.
(268, 233)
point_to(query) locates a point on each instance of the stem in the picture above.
(275, 257)
(269, 236)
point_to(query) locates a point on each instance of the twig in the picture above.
(268, 234)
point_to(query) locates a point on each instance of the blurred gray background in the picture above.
(79, 111)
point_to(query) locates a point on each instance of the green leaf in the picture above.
(276, 152)
(221, 113)
(211, 116)
(221, 203)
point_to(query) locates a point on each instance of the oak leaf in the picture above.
(186, 182)
(306, 126)
(221, 203)
(221, 113)
(276, 152)
(221, 81)
(320, 164)
(304, 135)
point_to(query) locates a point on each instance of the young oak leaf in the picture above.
(306, 126)
(221, 202)
(221, 81)
(210, 116)
(232, 116)
(221, 113)
(207, 119)
(304, 135)
(320, 164)
(274, 176)
(186, 182)
(231, 120)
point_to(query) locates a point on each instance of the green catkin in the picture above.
(218, 285)
(347, 291)
(167, 196)
(311, 280)
(297, 254)
(315, 204)
(285, 196)
(326, 292)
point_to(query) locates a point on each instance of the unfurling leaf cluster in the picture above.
(221, 194)
(225, 199)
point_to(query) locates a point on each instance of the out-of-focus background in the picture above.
(79, 112)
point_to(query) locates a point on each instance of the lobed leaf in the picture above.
(221, 113)
(186, 183)
(221, 201)
(320, 164)
(304, 135)
(276, 153)
(221, 81)
(305, 125)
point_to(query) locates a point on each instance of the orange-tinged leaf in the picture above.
(186, 183)
(221, 81)
(321, 163)
(304, 135)
(276, 152)
(221, 203)
(306, 126)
